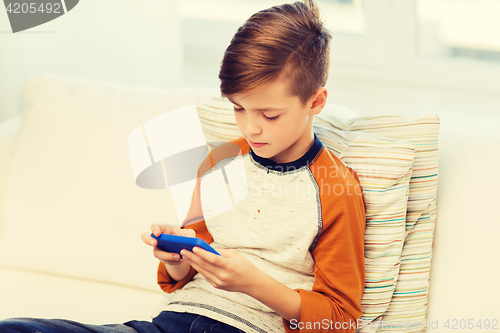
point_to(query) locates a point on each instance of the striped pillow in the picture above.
(384, 167)
(409, 302)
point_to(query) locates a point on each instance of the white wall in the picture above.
(134, 41)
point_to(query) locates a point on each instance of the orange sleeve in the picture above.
(334, 303)
(194, 218)
(167, 284)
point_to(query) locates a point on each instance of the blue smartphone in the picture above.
(174, 243)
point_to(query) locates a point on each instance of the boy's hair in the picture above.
(287, 40)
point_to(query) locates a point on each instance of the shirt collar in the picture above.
(305, 160)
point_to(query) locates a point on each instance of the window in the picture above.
(343, 16)
(459, 29)
(446, 43)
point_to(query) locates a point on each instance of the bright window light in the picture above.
(459, 29)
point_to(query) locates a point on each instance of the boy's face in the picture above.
(276, 124)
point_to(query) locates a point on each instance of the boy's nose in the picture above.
(252, 126)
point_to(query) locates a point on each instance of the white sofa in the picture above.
(71, 215)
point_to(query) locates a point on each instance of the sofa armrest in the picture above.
(8, 134)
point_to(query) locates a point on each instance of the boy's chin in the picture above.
(264, 154)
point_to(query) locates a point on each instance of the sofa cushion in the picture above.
(88, 301)
(467, 223)
(8, 133)
(71, 205)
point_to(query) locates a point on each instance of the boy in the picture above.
(274, 243)
(292, 248)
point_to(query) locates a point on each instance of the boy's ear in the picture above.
(318, 101)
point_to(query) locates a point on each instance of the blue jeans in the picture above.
(165, 322)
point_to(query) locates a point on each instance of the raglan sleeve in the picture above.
(334, 303)
(166, 283)
(194, 220)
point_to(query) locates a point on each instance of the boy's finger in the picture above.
(146, 238)
(158, 229)
(166, 256)
(227, 253)
(155, 229)
(188, 232)
(192, 257)
(209, 275)
(199, 259)
(208, 256)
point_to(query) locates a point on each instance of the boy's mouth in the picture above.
(256, 144)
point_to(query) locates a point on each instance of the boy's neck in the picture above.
(303, 160)
(296, 150)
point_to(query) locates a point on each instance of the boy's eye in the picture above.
(267, 118)
(271, 118)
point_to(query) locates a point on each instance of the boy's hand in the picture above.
(158, 229)
(231, 271)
